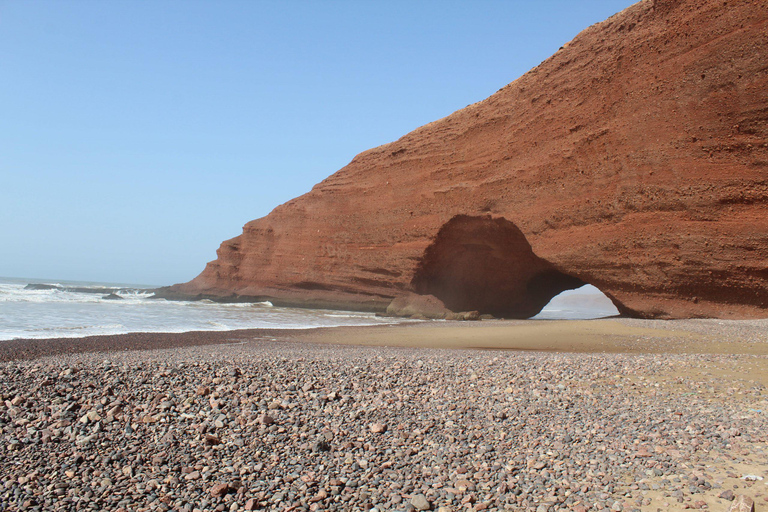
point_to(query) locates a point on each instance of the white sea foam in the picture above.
(59, 313)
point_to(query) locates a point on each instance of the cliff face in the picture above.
(634, 159)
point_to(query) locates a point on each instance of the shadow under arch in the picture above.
(485, 264)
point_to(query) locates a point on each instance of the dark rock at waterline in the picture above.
(40, 286)
(112, 296)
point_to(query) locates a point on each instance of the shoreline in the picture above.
(35, 348)
(612, 335)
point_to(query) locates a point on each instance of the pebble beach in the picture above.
(297, 422)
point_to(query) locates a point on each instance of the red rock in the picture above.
(251, 504)
(219, 490)
(320, 496)
(633, 159)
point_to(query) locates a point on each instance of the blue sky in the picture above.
(136, 136)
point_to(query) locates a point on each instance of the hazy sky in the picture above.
(135, 136)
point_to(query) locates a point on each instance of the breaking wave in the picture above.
(56, 309)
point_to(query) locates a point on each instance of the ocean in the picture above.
(37, 308)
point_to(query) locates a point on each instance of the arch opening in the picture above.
(584, 303)
(486, 264)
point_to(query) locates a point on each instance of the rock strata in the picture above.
(633, 159)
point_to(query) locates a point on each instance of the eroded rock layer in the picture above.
(634, 159)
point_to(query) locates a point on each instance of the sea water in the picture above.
(68, 309)
(62, 313)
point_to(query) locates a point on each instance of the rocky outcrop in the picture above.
(634, 159)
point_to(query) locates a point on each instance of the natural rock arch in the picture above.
(632, 159)
(486, 264)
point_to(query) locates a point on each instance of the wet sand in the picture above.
(616, 335)
(580, 336)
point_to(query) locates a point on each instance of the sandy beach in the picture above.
(612, 415)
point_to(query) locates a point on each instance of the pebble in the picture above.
(283, 426)
(378, 428)
(219, 490)
(265, 419)
(420, 502)
(742, 503)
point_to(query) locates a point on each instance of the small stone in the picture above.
(320, 496)
(211, 440)
(265, 419)
(643, 452)
(420, 502)
(90, 417)
(219, 490)
(727, 495)
(203, 391)
(251, 504)
(379, 428)
(742, 504)
(463, 485)
(322, 446)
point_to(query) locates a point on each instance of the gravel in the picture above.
(267, 425)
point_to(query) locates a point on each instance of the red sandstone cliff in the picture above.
(634, 159)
